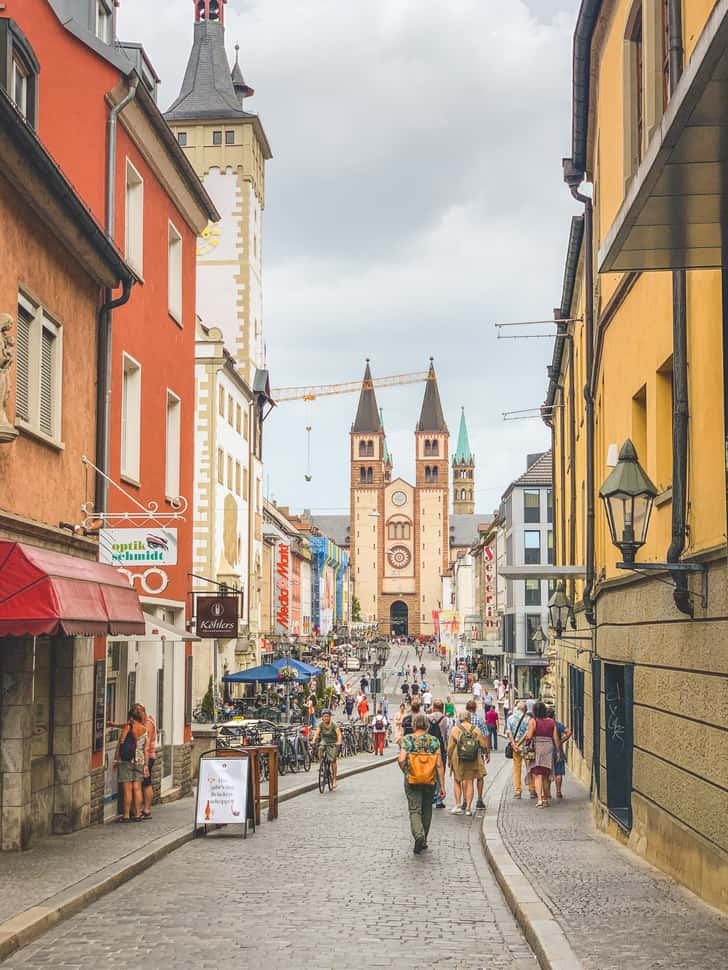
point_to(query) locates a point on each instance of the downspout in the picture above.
(572, 470)
(104, 326)
(574, 179)
(680, 406)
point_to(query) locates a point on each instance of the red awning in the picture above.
(49, 593)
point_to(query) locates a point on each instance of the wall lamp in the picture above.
(561, 612)
(628, 495)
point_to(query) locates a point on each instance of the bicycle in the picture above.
(326, 775)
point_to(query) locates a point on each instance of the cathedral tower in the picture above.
(463, 473)
(370, 464)
(228, 149)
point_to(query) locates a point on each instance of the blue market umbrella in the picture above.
(265, 674)
(305, 671)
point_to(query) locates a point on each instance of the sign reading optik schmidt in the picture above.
(138, 547)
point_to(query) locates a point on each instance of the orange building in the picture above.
(137, 182)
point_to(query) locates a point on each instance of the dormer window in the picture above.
(104, 21)
(19, 70)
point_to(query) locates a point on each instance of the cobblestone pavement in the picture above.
(618, 912)
(332, 884)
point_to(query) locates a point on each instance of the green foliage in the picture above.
(208, 702)
(355, 610)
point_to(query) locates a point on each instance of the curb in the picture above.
(28, 926)
(542, 931)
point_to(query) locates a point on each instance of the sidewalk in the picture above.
(615, 911)
(63, 874)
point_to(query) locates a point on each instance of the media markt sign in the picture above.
(138, 547)
(217, 617)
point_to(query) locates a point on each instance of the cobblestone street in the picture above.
(347, 893)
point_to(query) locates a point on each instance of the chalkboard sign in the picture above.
(618, 718)
(99, 704)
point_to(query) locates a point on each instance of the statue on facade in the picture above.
(7, 356)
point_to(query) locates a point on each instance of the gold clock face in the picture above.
(208, 240)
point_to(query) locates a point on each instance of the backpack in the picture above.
(467, 745)
(421, 765)
(436, 732)
(379, 723)
(128, 747)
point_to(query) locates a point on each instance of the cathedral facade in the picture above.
(399, 530)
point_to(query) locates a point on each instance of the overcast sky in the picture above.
(414, 199)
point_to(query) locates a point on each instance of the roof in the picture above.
(367, 414)
(463, 454)
(431, 417)
(583, 33)
(207, 88)
(387, 453)
(335, 527)
(539, 474)
(242, 89)
(466, 529)
(576, 235)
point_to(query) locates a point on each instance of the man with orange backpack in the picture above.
(421, 762)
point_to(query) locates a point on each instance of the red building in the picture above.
(96, 111)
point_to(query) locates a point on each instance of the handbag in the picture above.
(509, 746)
(529, 752)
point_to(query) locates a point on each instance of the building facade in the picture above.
(399, 531)
(644, 331)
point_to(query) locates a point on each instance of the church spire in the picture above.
(431, 417)
(463, 455)
(209, 88)
(242, 89)
(367, 419)
(387, 453)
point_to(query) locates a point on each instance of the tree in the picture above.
(355, 610)
(208, 702)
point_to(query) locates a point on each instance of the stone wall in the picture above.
(16, 728)
(182, 769)
(96, 808)
(72, 703)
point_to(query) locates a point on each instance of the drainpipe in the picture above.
(103, 354)
(680, 406)
(572, 470)
(574, 179)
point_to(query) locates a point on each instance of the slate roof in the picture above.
(335, 527)
(207, 89)
(466, 529)
(463, 454)
(367, 414)
(538, 475)
(431, 416)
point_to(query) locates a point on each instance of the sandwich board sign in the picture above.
(224, 790)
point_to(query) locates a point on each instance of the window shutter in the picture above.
(22, 367)
(47, 382)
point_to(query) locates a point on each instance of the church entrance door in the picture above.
(399, 619)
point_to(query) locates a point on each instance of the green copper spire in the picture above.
(463, 455)
(387, 453)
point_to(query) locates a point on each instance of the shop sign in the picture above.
(222, 791)
(489, 588)
(138, 547)
(282, 587)
(217, 617)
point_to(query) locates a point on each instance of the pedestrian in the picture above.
(398, 729)
(541, 731)
(408, 719)
(477, 691)
(463, 754)
(559, 761)
(421, 763)
(491, 720)
(478, 722)
(423, 670)
(349, 705)
(362, 707)
(130, 758)
(364, 684)
(415, 689)
(516, 728)
(427, 700)
(488, 701)
(439, 728)
(150, 754)
(379, 729)
(449, 707)
(506, 707)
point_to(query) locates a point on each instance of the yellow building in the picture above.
(644, 681)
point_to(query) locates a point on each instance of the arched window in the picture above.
(434, 474)
(470, 495)
(435, 448)
(370, 449)
(370, 475)
(362, 474)
(406, 531)
(362, 449)
(428, 473)
(428, 448)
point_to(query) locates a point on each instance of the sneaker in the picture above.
(458, 810)
(439, 804)
(480, 803)
(532, 794)
(517, 795)
(468, 812)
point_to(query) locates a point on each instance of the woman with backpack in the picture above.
(421, 763)
(130, 758)
(379, 729)
(463, 754)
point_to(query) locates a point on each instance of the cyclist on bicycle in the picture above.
(329, 734)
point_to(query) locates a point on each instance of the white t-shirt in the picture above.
(427, 698)
(529, 704)
(379, 723)
(477, 689)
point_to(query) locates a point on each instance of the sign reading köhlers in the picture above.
(217, 617)
(138, 547)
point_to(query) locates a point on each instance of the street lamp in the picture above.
(628, 496)
(559, 610)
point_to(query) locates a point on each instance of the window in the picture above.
(532, 548)
(131, 414)
(230, 410)
(134, 242)
(362, 474)
(238, 478)
(435, 449)
(665, 36)
(174, 272)
(428, 448)
(217, 138)
(663, 403)
(245, 483)
(182, 138)
(549, 505)
(238, 418)
(638, 88)
(19, 86)
(174, 407)
(362, 449)
(38, 372)
(370, 476)
(509, 639)
(230, 473)
(220, 466)
(531, 505)
(20, 69)
(221, 401)
(229, 137)
(533, 628)
(104, 21)
(550, 546)
(533, 592)
(434, 474)
(639, 424)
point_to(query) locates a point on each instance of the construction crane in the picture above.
(312, 391)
